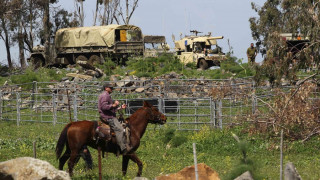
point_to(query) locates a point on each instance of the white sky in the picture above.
(228, 18)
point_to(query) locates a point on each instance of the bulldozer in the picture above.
(202, 50)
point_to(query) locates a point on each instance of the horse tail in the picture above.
(62, 141)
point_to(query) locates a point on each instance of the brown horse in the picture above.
(77, 135)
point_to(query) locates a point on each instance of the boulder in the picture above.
(91, 73)
(126, 81)
(139, 90)
(114, 78)
(81, 76)
(204, 173)
(172, 95)
(245, 176)
(290, 172)
(27, 168)
(140, 178)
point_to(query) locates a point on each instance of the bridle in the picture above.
(155, 119)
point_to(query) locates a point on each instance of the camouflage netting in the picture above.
(89, 36)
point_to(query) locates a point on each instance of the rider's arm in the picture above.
(105, 102)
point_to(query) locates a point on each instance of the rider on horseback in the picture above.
(107, 110)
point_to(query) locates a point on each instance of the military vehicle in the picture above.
(203, 50)
(155, 45)
(90, 45)
(295, 42)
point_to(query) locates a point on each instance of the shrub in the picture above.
(295, 112)
(178, 140)
(168, 135)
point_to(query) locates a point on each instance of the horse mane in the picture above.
(135, 113)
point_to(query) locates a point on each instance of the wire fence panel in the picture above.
(228, 102)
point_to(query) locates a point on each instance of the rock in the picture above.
(99, 73)
(126, 81)
(245, 176)
(91, 73)
(50, 86)
(27, 168)
(172, 95)
(6, 97)
(114, 78)
(81, 76)
(156, 94)
(140, 178)
(139, 90)
(291, 173)
(204, 173)
(64, 78)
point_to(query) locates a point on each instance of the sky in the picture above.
(228, 18)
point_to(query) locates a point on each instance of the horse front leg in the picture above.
(135, 159)
(125, 162)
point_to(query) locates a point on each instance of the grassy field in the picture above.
(166, 151)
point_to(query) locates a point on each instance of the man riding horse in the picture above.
(107, 110)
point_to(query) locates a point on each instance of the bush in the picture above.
(168, 135)
(295, 112)
(178, 140)
(245, 164)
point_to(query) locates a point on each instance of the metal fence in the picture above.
(51, 102)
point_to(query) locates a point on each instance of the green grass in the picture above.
(167, 63)
(166, 151)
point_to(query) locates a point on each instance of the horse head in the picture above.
(156, 117)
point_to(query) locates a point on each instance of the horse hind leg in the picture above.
(87, 158)
(74, 157)
(63, 159)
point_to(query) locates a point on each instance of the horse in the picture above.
(76, 135)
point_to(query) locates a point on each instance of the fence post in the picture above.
(196, 119)
(75, 106)
(253, 103)
(18, 108)
(34, 90)
(34, 149)
(214, 113)
(211, 113)
(220, 113)
(195, 161)
(179, 114)
(281, 155)
(1, 105)
(54, 106)
(254, 99)
(160, 104)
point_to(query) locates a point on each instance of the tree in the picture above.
(109, 12)
(130, 7)
(63, 19)
(16, 23)
(282, 16)
(4, 28)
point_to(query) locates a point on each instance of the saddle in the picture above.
(104, 132)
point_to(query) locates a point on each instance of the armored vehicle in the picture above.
(295, 42)
(203, 50)
(90, 45)
(155, 45)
